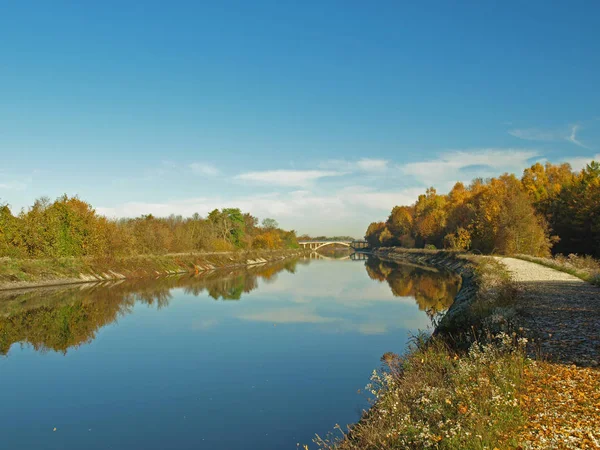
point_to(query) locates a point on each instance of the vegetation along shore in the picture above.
(66, 241)
(491, 376)
(24, 273)
(514, 362)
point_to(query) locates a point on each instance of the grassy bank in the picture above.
(485, 302)
(460, 389)
(20, 273)
(583, 267)
(434, 397)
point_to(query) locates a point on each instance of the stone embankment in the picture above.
(559, 312)
(19, 274)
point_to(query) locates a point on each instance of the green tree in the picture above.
(10, 236)
(270, 224)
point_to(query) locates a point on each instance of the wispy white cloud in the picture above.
(291, 178)
(371, 198)
(204, 169)
(568, 133)
(534, 134)
(362, 165)
(372, 165)
(168, 168)
(573, 136)
(465, 165)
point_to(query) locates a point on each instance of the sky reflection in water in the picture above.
(256, 358)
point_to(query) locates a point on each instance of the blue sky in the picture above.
(322, 115)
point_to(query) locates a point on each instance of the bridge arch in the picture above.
(346, 244)
(315, 245)
(316, 255)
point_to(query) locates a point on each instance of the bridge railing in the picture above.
(356, 244)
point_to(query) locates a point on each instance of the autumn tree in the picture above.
(430, 218)
(377, 234)
(519, 228)
(400, 225)
(496, 215)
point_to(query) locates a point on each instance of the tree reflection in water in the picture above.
(433, 290)
(60, 318)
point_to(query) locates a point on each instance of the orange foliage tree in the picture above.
(549, 207)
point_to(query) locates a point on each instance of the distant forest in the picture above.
(550, 208)
(69, 226)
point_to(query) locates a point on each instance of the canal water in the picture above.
(257, 358)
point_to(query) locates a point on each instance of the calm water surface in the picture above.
(262, 358)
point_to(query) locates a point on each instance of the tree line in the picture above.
(551, 208)
(69, 226)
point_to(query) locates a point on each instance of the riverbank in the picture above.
(486, 290)
(28, 273)
(471, 385)
(457, 389)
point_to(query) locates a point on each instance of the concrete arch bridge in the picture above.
(316, 245)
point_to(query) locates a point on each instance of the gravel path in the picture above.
(560, 311)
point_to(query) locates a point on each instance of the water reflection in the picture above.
(60, 318)
(433, 290)
(278, 350)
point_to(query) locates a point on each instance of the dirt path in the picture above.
(560, 311)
